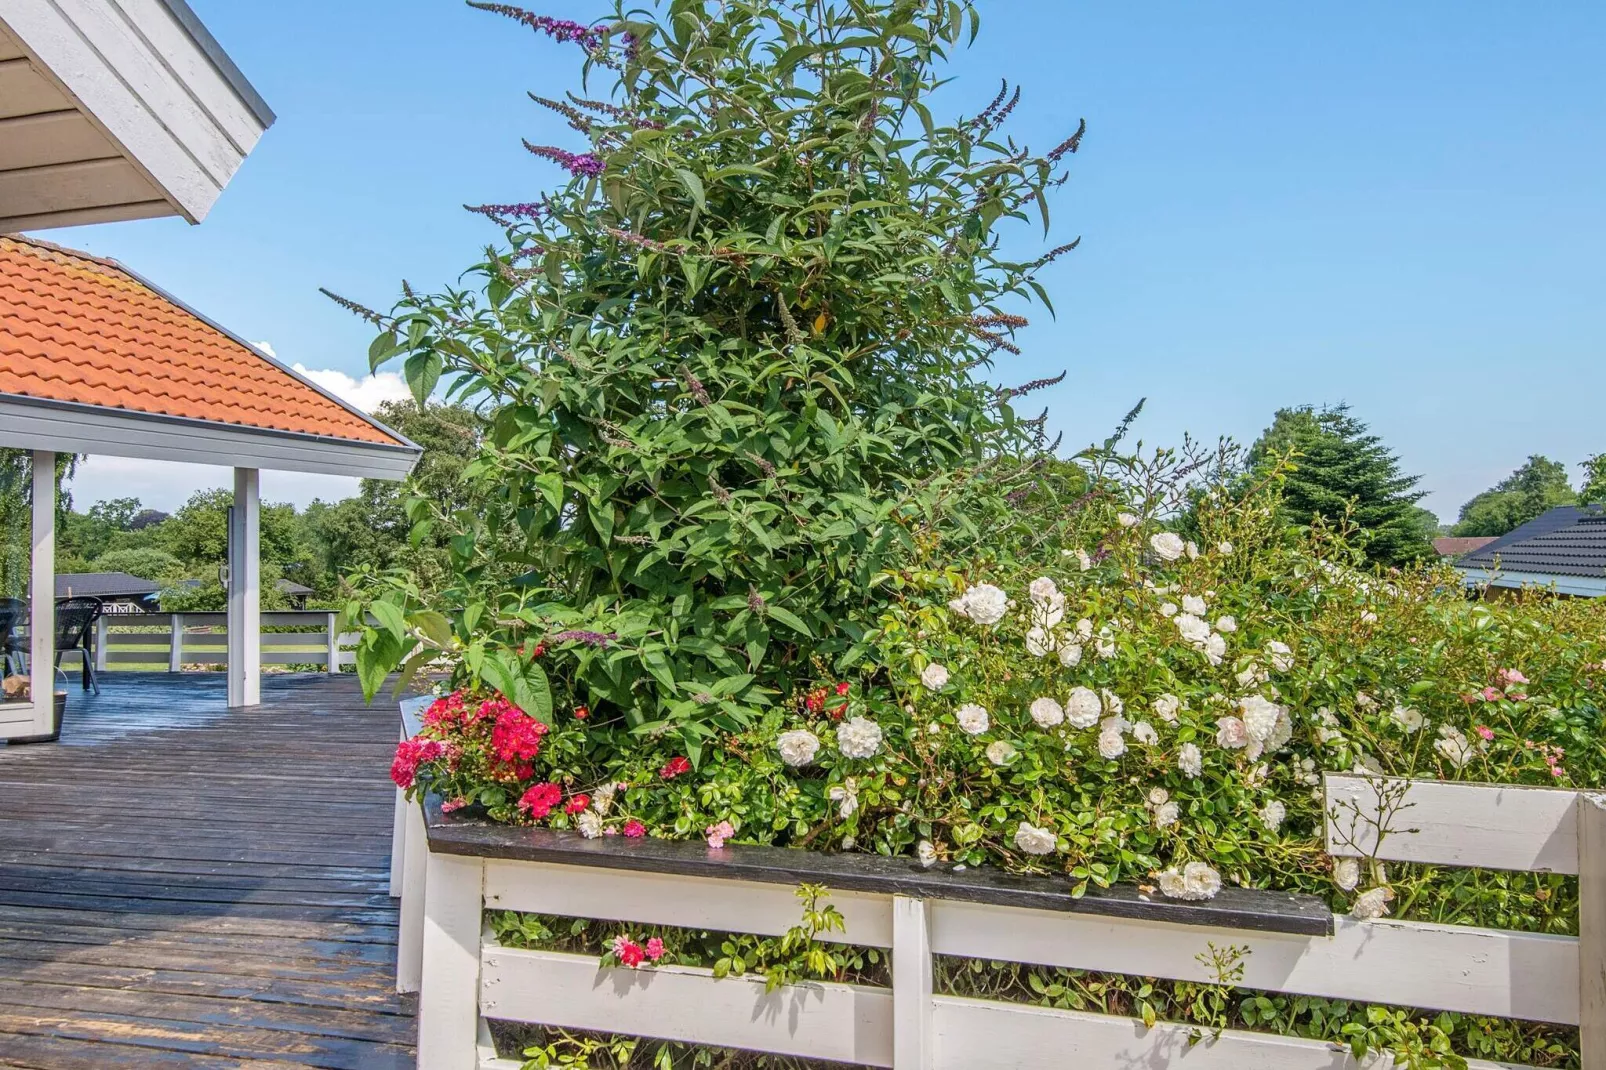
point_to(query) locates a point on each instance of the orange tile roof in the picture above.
(77, 328)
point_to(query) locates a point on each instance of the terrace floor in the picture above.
(184, 886)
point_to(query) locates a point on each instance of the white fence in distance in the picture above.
(170, 642)
(467, 979)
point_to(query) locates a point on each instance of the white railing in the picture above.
(169, 642)
(450, 872)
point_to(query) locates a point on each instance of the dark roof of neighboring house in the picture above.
(292, 587)
(1451, 546)
(104, 585)
(1566, 541)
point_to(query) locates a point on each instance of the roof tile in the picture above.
(76, 328)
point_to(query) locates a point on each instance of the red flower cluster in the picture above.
(539, 799)
(410, 754)
(635, 829)
(445, 712)
(815, 701)
(577, 803)
(674, 768)
(629, 953)
(516, 736)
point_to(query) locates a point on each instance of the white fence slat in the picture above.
(973, 1033)
(414, 887)
(911, 984)
(845, 1023)
(1592, 930)
(664, 899)
(448, 1010)
(1531, 976)
(1493, 826)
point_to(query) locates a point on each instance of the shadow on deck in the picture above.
(185, 886)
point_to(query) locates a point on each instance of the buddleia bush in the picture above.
(729, 366)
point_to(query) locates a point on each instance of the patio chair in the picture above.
(75, 631)
(13, 611)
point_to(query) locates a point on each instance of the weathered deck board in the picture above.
(184, 887)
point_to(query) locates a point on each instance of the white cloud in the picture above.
(266, 348)
(366, 393)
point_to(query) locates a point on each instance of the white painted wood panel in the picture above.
(67, 186)
(1486, 825)
(1592, 930)
(691, 902)
(971, 1034)
(846, 1023)
(191, 68)
(1445, 967)
(119, 434)
(78, 217)
(448, 1013)
(50, 138)
(913, 1046)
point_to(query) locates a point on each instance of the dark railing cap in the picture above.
(1233, 908)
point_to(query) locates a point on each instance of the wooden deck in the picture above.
(182, 886)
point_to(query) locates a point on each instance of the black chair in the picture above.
(75, 630)
(13, 612)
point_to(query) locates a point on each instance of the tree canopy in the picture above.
(1341, 472)
(1538, 485)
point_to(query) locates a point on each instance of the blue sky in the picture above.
(1402, 206)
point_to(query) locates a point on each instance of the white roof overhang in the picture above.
(116, 109)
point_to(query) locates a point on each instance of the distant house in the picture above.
(296, 593)
(1565, 549)
(119, 591)
(1453, 546)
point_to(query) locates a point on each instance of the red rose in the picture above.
(635, 829)
(516, 736)
(655, 949)
(581, 713)
(674, 768)
(539, 800)
(843, 688)
(577, 803)
(410, 754)
(629, 953)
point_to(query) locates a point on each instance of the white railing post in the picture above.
(913, 1045)
(332, 639)
(175, 643)
(1592, 931)
(414, 892)
(100, 642)
(449, 1001)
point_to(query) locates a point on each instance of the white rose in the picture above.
(1346, 873)
(1260, 716)
(1083, 561)
(1070, 655)
(1373, 903)
(1047, 713)
(1190, 760)
(1104, 647)
(1042, 589)
(1039, 642)
(1034, 840)
(1224, 548)
(1272, 814)
(1084, 629)
(1112, 701)
(602, 798)
(858, 737)
(1231, 734)
(999, 752)
(1194, 605)
(1168, 609)
(1166, 707)
(1407, 718)
(1048, 612)
(797, 747)
(1166, 815)
(1227, 624)
(983, 603)
(1144, 733)
(1282, 658)
(1167, 545)
(847, 798)
(590, 824)
(926, 853)
(1192, 549)
(1083, 708)
(1127, 520)
(1452, 745)
(1368, 617)
(1215, 648)
(1112, 744)
(973, 719)
(1158, 796)
(1192, 628)
(934, 677)
(1197, 881)
(1170, 882)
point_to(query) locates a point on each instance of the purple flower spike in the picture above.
(583, 637)
(584, 164)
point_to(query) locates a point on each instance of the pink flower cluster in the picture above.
(539, 799)
(718, 834)
(410, 754)
(1551, 754)
(517, 736)
(629, 953)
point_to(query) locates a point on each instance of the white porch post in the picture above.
(245, 591)
(42, 581)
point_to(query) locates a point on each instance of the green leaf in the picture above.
(423, 372)
(390, 618)
(788, 618)
(694, 186)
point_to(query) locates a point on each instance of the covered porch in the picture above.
(187, 886)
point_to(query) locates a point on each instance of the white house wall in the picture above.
(115, 109)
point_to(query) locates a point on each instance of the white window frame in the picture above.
(36, 716)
